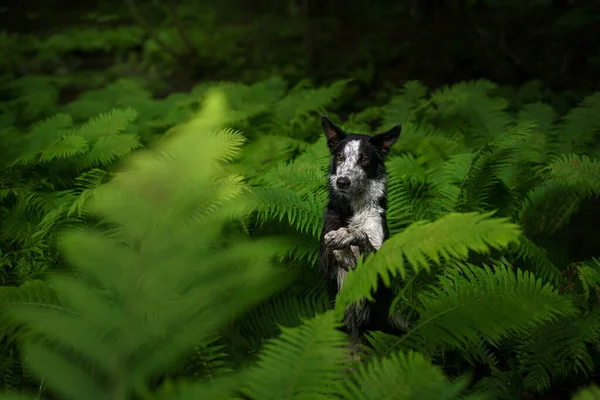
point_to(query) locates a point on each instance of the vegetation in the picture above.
(163, 245)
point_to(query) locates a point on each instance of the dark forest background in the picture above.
(550, 46)
(84, 84)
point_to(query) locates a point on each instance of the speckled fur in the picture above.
(355, 220)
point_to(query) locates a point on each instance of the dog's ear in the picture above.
(385, 140)
(333, 133)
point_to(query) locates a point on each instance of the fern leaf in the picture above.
(589, 393)
(576, 171)
(110, 148)
(38, 93)
(548, 207)
(401, 376)
(222, 388)
(35, 293)
(558, 349)
(540, 144)
(483, 302)
(66, 147)
(486, 116)
(588, 274)
(123, 315)
(542, 266)
(299, 102)
(42, 135)
(306, 215)
(541, 114)
(578, 129)
(399, 109)
(106, 124)
(303, 362)
(451, 237)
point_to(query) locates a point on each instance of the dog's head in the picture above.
(357, 158)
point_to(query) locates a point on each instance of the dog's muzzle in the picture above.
(342, 182)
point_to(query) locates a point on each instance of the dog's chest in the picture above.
(369, 220)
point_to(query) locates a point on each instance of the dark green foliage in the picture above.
(166, 247)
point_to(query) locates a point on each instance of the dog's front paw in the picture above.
(342, 238)
(345, 258)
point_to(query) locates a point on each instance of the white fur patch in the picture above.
(367, 213)
(348, 258)
(350, 167)
(363, 195)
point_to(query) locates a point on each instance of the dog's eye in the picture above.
(340, 157)
(364, 161)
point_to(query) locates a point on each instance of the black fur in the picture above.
(338, 213)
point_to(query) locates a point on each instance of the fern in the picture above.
(422, 243)
(399, 109)
(109, 318)
(494, 303)
(401, 376)
(579, 127)
(303, 362)
(306, 215)
(588, 274)
(589, 393)
(580, 173)
(300, 101)
(541, 265)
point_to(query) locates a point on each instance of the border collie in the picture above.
(355, 221)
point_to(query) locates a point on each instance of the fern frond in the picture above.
(589, 393)
(34, 293)
(448, 180)
(42, 135)
(406, 181)
(579, 172)
(399, 109)
(558, 349)
(579, 127)
(542, 115)
(401, 376)
(451, 237)
(305, 175)
(222, 388)
(500, 385)
(300, 248)
(266, 151)
(84, 186)
(206, 361)
(486, 117)
(37, 93)
(110, 148)
(123, 315)
(300, 101)
(540, 144)
(303, 362)
(493, 164)
(548, 207)
(107, 124)
(287, 309)
(491, 303)
(306, 215)
(588, 274)
(541, 265)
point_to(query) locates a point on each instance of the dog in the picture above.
(355, 222)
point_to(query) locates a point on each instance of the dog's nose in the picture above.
(342, 182)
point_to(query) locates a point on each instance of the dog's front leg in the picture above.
(347, 257)
(346, 237)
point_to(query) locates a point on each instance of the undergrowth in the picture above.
(165, 248)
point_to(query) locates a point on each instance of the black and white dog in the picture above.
(355, 221)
